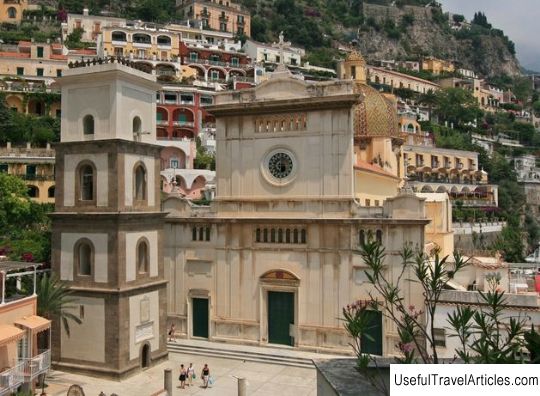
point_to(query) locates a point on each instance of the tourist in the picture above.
(190, 374)
(182, 377)
(172, 336)
(205, 375)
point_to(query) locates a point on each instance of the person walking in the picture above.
(172, 336)
(190, 374)
(205, 375)
(182, 377)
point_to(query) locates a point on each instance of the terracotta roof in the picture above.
(25, 43)
(83, 51)
(13, 55)
(34, 323)
(9, 333)
(366, 166)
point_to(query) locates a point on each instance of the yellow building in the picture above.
(11, 11)
(35, 166)
(34, 61)
(437, 170)
(397, 80)
(221, 15)
(27, 96)
(437, 66)
(154, 50)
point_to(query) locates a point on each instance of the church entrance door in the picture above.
(200, 317)
(280, 317)
(372, 338)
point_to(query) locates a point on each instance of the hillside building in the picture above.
(35, 166)
(220, 15)
(92, 25)
(394, 80)
(25, 337)
(33, 61)
(11, 11)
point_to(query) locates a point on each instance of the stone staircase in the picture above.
(270, 355)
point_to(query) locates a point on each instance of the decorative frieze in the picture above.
(281, 123)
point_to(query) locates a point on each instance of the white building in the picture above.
(91, 25)
(260, 52)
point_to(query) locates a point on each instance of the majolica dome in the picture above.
(375, 115)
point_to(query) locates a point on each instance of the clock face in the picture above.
(280, 165)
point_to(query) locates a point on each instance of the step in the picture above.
(260, 357)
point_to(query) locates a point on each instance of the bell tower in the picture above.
(107, 225)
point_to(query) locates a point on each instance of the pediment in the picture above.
(286, 87)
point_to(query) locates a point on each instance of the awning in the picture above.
(9, 334)
(34, 323)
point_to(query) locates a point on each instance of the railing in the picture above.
(10, 379)
(188, 124)
(162, 122)
(187, 60)
(36, 177)
(37, 365)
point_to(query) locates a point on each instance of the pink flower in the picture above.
(407, 347)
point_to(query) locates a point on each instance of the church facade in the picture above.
(274, 259)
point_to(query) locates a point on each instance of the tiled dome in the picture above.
(375, 115)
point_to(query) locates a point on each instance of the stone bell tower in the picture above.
(107, 225)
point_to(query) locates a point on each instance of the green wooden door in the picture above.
(200, 317)
(280, 316)
(371, 341)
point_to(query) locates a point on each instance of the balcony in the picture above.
(37, 365)
(32, 177)
(187, 124)
(187, 60)
(11, 379)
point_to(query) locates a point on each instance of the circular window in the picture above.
(279, 166)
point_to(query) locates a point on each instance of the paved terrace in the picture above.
(263, 379)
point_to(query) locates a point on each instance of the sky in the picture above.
(519, 19)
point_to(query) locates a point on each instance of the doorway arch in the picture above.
(145, 356)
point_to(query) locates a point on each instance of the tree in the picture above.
(485, 332)
(480, 19)
(54, 300)
(457, 106)
(24, 225)
(428, 99)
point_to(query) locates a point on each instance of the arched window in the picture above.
(295, 236)
(50, 192)
(86, 183)
(273, 235)
(280, 235)
(258, 235)
(85, 257)
(140, 183)
(207, 234)
(142, 257)
(12, 12)
(137, 124)
(118, 36)
(287, 236)
(201, 233)
(194, 234)
(265, 235)
(88, 125)
(303, 236)
(378, 235)
(33, 192)
(362, 238)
